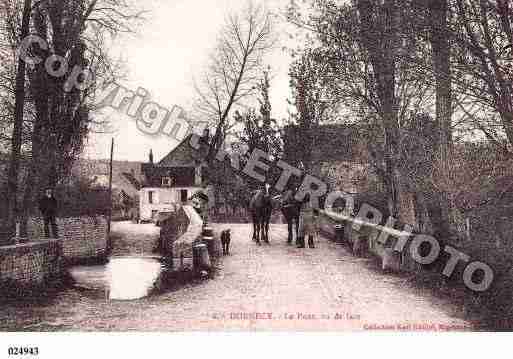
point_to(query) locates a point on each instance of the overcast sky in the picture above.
(169, 50)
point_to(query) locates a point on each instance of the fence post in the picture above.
(17, 236)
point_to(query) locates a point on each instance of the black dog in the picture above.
(225, 241)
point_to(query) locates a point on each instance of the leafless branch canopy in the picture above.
(235, 66)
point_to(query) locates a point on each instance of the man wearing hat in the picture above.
(48, 208)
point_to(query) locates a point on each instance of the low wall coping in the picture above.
(341, 217)
(183, 244)
(194, 216)
(32, 243)
(28, 245)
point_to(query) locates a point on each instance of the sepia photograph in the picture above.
(255, 166)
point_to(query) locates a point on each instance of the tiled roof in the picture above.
(179, 164)
(126, 175)
(133, 181)
(185, 155)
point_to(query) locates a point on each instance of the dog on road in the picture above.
(225, 241)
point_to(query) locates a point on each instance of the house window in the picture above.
(167, 181)
(184, 195)
(150, 197)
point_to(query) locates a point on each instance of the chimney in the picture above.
(151, 156)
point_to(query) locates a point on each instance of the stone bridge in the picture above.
(268, 287)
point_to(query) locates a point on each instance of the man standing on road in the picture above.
(48, 207)
(307, 223)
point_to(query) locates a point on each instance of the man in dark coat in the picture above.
(48, 207)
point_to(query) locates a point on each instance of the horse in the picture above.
(261, 207)
(291, 210)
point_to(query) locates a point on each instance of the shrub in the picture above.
(80, 198)
(375, 199)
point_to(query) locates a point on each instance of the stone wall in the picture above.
(492, 307)
(183, 245)
(83, 238)
(172, 229)
(179, 233)
(364, 242)
(30, 265)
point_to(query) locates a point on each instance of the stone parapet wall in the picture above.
(38, 261)
(182, 247)
(83, 238)
(364, 242)
(171, 230)
(30, 265)
(179, 233)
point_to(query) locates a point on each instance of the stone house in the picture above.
(171, 181)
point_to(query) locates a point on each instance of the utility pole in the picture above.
(109, 244)
(14, 165)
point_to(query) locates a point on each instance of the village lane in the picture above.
(257, 288)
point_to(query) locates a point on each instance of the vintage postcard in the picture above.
(255, 166)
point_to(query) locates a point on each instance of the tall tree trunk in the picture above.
(39, 88)
(32, 182)
(14, 166)
(441, 53)
(379, 33)
(505, 89)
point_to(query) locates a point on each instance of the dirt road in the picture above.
(271, 287)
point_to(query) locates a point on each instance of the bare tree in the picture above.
(379, 37)
(483, 33)
(258, 130)
(235, 67)
(78, 31)
(307, 80)
(19, 106)
(10, 37)
(372, 50)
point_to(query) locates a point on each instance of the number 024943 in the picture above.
(23, 351)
